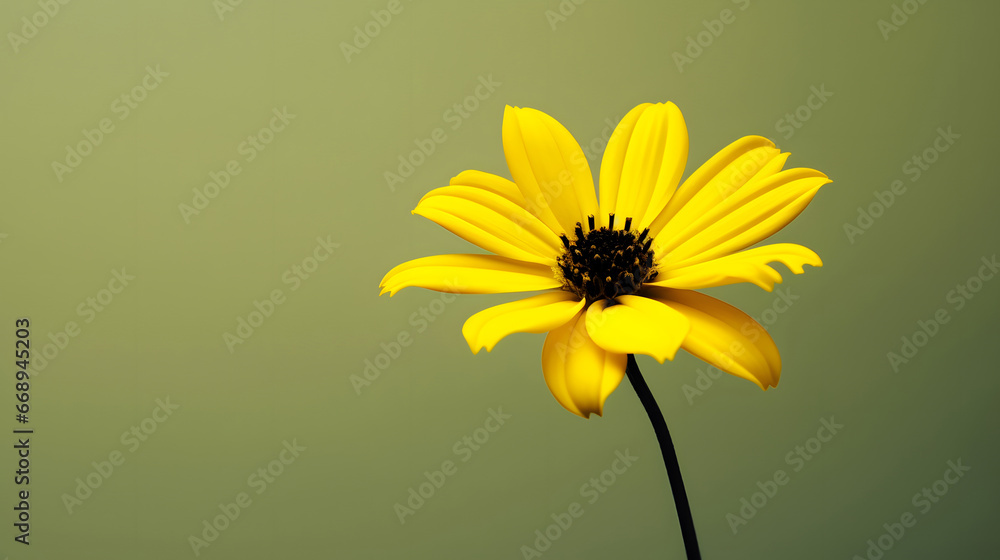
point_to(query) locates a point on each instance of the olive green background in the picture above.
(323, 177)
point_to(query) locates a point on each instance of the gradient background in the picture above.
(323, 176)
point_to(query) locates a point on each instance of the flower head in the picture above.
(618, 272)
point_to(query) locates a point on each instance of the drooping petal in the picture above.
(469, 274)
(637, 325)
(746, 266)
(490, 182)
(751, 214)
(580, 373)
(643, 163)
(492, 222)
(724, 336)
(536, 314)
(549, 168)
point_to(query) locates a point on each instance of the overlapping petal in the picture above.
(490, 182)
(751, 266)
(637, 325)
(492, 222)
(469, 274)
(580, 373)
(549, 168)
(724, 336)
(643, 163)
(751, 214)
(536, 314)
(723, 174)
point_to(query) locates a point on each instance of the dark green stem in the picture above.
(669, 457)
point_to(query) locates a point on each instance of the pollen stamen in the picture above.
(605, 263)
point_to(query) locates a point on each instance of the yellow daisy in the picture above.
(618, 272)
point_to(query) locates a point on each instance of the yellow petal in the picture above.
(719, 169)
(614, 159)
(580, 374)
(491, 222)
(745, 266)
(637, 325)
(644, 162)
(747, 217)
(549, 168)
(469, 274)
(490, 182)
(732, 179)
(724, 336)
(536, 314)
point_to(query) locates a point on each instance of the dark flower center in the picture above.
(606, 263)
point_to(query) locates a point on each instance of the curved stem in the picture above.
(669, 457)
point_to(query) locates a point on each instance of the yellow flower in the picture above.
(618, 272)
